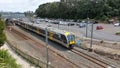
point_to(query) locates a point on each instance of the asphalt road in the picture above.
(106, 34)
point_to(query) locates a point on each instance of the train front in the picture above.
(70, 39)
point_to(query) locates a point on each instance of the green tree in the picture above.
(29, 14)
(94, 9)
(0, 15)
(2, 34)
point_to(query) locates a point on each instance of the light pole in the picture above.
(58, 25)
(87, 25)
(91, 36)
(47, 57)
(87, 5)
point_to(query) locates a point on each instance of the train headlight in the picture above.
(72, 42)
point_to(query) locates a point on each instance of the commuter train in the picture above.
(62, 37)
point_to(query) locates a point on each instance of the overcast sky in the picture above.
(21, 5)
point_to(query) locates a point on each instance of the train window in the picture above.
(63, 38)
(59, 36)
(33, 28)
(42, 31)
(56, 36)
(49, 33)
(29, 26)
(70, 37)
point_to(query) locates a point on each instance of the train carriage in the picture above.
(63, 37)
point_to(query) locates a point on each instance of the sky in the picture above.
(21, 5)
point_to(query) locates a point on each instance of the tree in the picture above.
(2, 34)
(94, 9)
(29, 14)
(0, 15)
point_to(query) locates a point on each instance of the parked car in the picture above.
(71, 24)
(96, 22)
(77, 24)
(117, 24)
(99, 27)
(63, 23)
(81, 25)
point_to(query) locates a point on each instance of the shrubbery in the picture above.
(6, 61)
(118, 33)
(2, 34)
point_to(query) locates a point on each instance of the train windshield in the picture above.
(71, 37)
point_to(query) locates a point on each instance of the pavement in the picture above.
(106, 34)
(19, 59)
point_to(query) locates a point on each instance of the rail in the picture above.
(90, 58)
(26, 38)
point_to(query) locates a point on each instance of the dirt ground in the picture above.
(108, 49)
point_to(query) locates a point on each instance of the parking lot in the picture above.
(107, 33)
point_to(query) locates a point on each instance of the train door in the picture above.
(37, 30)
(51, 35)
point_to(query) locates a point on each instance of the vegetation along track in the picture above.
(24, 36)
(92, 59)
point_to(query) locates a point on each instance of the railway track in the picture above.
(25, 37)
(92, 59)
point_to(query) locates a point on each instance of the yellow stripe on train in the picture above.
(72, 42)
(66, 33)
(50, 35)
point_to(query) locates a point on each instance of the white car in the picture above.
(63, 23)
(81, 25)
(117, 24)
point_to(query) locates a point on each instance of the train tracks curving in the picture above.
(92, 59)
(25, 37)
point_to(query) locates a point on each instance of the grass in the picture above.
(6, 61)
(118, 33)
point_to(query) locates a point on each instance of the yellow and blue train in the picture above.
(62, 37)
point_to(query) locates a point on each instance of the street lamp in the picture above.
(91, 41)
(58, 25)
(87, 4)
(87, 25)
(47, 57)
(91, 36)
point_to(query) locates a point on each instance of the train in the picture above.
(62, 37)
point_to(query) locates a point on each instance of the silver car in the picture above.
(81, 25)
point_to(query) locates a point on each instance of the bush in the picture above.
(2, 39)
(6, 61)
(118, 33)
(2, 34)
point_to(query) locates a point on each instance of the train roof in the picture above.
(53, 29)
